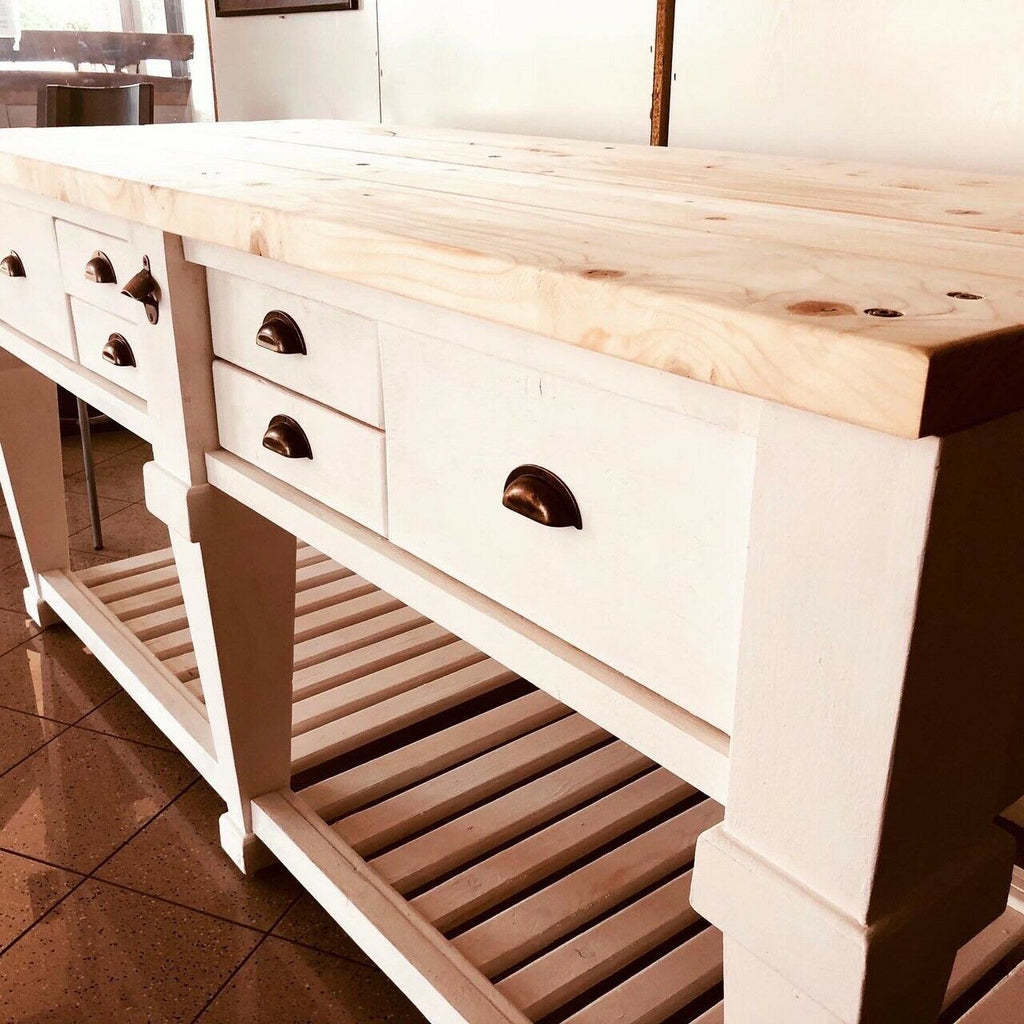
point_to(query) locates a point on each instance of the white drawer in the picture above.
(652, 584)
(78, 246)
(32, 297)
(111, 346)
(346, 470)
(340, 366)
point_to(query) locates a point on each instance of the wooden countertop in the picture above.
(747, 272)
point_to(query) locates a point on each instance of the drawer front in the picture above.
(652, 584)
(340, 366)
(110, 346)
(78, 246)
(33, 301)
(346, 471)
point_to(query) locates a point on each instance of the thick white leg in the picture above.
(32, 475)
(238, 583)
(237, 570)
(879, 703)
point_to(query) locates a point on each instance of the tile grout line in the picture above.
(252, 952)
(32, 753)
(86, 877)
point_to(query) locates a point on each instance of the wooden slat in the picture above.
(379, 778)
(135, 584)
(1003, 1005)
(326, 674)
(120, 49)
(109, 571)
(396, 713)
(361, 621)
(569, 970)
(375, 687)
(324, 595)
(153, 600)
(164, 645)
(429, 856)
(503, 875)
(666, 987)
(527, 927)
(716, 1015)
(350, 638)
(984, 952)
(406, 813)
(347, 613)
(324, 582)
(314, 573)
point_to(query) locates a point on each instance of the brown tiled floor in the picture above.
(116, 902)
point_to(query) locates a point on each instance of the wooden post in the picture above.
(236, 569)
(32, 474)
(878, 712)
(664, 42)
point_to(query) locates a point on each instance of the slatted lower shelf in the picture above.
(491, 847)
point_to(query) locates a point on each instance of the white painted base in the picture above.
(245, 850)
(38, 610)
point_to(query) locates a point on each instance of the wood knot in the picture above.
(601, 273)
(818, 307)
(716, 218)
(967, 296)
(965, 213)
(885, 314)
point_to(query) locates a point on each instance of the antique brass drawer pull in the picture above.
(280, 333)
(11, 265)
(539, 495)
(100, 270)
(118, 351)
(143, 288)
(285, 437)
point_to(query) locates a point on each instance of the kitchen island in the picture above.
(571, 544)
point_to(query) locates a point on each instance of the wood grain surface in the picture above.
(751, 273)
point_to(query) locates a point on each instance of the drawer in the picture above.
(110, 346)
(340, 364)
(346, 470)
(32, 299)
(78, 246)
(652, 584)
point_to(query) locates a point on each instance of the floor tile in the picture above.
(76, 800)
(121, 716)
(77, 506)
(53, 675)
(9, 553)
(106, 954)
(307, 922)
(105, 445)
(12, 586)
(178, 856)
(20, 734)
(132, 531)
(29, 889)
(118, 477)
(283, 983)
(15, 629)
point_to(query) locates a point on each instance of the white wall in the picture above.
(575, 68)
(298, 65)
(937, 82)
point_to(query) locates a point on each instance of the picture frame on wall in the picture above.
(241, 8)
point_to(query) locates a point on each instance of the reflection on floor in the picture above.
(116, 902)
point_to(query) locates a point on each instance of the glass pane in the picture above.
(94, 15)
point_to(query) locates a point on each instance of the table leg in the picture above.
(237, 578)
(32, 474)
(877, 725)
